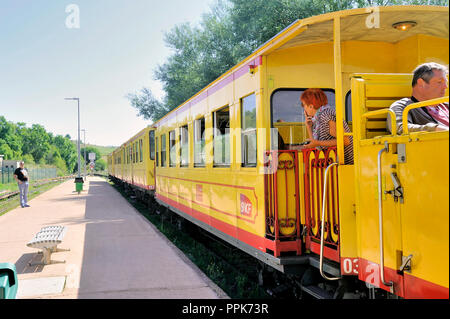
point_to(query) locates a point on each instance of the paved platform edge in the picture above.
(220, 293)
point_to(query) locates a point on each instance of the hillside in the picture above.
(104, 150)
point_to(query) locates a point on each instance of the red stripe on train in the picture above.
(233, 231)
(406, 286)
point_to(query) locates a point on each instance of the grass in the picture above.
(9, 187)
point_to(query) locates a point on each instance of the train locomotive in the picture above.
(376, 228)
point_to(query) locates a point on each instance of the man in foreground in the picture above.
(429, 82)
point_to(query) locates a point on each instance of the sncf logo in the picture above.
(246, 206)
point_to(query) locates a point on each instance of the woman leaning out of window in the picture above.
(321, 123)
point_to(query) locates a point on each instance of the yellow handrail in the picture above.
(417, 105)
(382, 112)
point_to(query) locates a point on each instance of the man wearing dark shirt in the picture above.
(429, 82)
(21, 176)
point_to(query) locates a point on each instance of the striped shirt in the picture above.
(418, 119)
(321, 129)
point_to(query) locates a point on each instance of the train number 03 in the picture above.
(350, 266)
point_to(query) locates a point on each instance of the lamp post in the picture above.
(84, 135)
(78, 180)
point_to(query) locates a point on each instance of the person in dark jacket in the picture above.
(21, 176)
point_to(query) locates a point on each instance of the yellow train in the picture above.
(214, 160)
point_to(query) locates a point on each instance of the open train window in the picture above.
(184, 145)
(288, 119)
(163, 150)
(248, 135)
(172, 149)
(151, 144)
(199, 142)
(222, 137)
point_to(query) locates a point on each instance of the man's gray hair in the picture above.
(425, 71)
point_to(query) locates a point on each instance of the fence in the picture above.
(6, 174)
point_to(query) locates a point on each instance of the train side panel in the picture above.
(414, 220)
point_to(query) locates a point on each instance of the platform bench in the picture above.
(47, 239)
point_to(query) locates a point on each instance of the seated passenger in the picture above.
(429, 82)
(321, 123)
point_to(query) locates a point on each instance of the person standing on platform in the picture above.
(21, 176)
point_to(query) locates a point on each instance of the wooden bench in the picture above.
(47, 239)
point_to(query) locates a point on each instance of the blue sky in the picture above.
(114, 52)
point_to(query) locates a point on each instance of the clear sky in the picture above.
(113, 52)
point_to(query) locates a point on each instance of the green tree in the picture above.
(67, 151)
(10, 134)
(5, 150)
(100, 165)
(36, 142)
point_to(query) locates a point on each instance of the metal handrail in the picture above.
(323, 224)
(382, 112)
(417, 105)
(380, 216)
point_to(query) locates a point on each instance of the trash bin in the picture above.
(8, 281)
(79, 184)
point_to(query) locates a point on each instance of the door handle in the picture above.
(406, 264)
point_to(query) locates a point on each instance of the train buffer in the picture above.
(47, 239)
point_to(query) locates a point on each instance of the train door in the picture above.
(380, 224)
(151, 169)
(379, 182)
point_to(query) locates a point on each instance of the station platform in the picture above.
(115, 253)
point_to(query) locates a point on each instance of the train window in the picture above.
(136, 152)
(163, 150)
(348, 107)
(288, 116)
(172, 149)
(199, 142)
(286, 105)
(151, 144)
(140, 151)
(248, 137)
(130, 154)
(222, 137)
(157, 151)
(184, 145)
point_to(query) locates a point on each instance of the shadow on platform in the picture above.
(22, 263)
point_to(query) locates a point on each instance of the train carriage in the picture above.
(382, 221)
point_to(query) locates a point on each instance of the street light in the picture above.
(84, 131)
(78, 180)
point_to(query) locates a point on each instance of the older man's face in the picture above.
(436, 86)
(21, 165)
